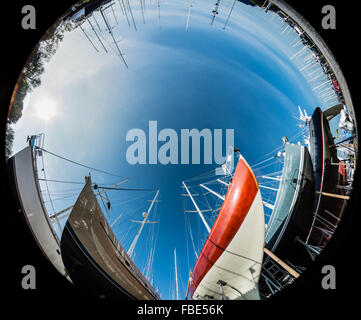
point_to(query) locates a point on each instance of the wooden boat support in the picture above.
(284, 265)
(332, 195)
(94, 258)
(230, 262)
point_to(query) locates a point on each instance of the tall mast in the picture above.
(111, 33)
(230, 12)
(176, 274)
(91, 25)
(97, 194)
(215, 11)
(189, 14)
(158, 14)
(199, 211)
(88, 38)
(132, 246)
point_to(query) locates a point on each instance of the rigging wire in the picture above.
(61, 181)
(257, 164)
(122, 189)
(80, 164)
(297, 135)
(200, 175)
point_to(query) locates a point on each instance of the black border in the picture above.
(19, 248)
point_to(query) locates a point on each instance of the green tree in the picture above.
(30, 77)
(9, 139)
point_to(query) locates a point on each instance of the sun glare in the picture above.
(45, 109)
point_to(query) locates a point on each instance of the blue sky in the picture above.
(239, 78)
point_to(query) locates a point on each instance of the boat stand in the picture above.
(313, 251)
(221, 284)
(274, 278)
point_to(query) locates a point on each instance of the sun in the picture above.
(45, 109)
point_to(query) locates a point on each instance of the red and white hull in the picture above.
(233, 251)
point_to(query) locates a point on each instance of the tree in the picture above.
(30, 77)
(9, 139)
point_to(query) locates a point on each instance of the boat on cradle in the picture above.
(327, 210)
(95, 259)
(230, 261)
(292, 215)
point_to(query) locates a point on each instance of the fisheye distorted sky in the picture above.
(237, 78)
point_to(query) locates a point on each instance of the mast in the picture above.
(158, 13)
(189, 14)
(131, 13)
(215, 11)
(97, 194)
(114, 41)
(198, 210)
(189, 281)
(91, 25)
(132, 246)
(176, 274)
(88, 38)
(224, 27)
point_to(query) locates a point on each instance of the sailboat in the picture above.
(292, 214)
(229, 264)
(87, 252)
(22, 168)
(93, 256)
(328, 210)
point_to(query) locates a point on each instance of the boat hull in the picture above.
(233, 250)
(94, 258)
(26, 188)
(292, 215)
(327, 210)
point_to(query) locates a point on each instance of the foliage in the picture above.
(9, 141)
(30, 77)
